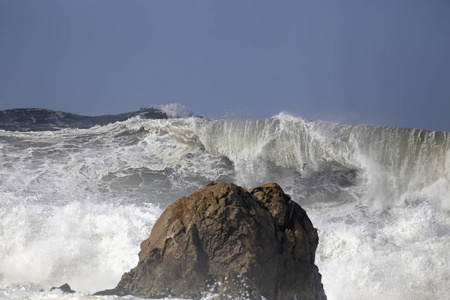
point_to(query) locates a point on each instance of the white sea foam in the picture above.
(76, 203)
(398, 254)
(88, 244)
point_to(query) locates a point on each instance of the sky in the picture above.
(383, 62)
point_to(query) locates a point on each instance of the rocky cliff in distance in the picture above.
(229, 241)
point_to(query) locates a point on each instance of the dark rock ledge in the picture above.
(229, 241)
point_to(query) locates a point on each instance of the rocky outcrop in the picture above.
(65, 288)
(228, 241)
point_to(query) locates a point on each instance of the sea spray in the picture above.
(87, 244)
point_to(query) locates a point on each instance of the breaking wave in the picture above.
(77, 202)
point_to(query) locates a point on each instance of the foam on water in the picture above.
(88, 244)
(398, 254)
(76, 203)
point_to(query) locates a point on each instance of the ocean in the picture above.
(79, 194)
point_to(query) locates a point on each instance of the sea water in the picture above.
(75, 204)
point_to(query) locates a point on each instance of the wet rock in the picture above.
(65, 288)
(229, 241)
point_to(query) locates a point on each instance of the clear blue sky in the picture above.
(384, 62)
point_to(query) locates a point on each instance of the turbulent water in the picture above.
(76, 201)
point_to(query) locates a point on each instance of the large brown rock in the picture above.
(228, 241)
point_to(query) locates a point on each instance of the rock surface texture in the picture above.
(228, 241)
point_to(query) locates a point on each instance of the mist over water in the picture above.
(75, 204)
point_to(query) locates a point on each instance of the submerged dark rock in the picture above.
(230, 241)
(65, 288)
